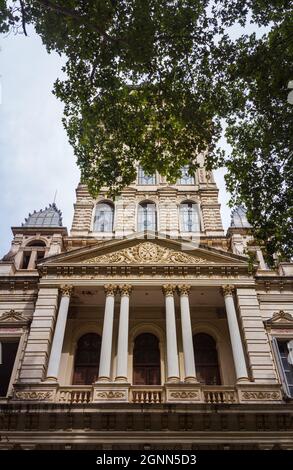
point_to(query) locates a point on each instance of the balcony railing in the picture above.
(147, 395)
(219, 394)
(74, 394)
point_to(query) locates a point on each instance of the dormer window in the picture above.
(144, 178)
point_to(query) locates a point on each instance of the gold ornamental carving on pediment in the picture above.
(147, 253)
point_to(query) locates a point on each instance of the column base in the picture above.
(121, 379)
(191, 380)
(51, 379)
(103, 380)
(173, 380)
(242, 380)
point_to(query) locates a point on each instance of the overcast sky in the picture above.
(35, 157)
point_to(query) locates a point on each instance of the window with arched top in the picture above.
(33, 252)
(206, 359)
(104, 217)
(147, 216)
(189, 217)
(144, 178)
(87, 359)
(185, 177)
(146, 360)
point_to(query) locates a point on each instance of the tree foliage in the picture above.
(153, 81)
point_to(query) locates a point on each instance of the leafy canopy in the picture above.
(153, 81)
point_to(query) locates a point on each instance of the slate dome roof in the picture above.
(49, 217)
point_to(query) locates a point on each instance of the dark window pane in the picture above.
(9, 351)
(206, 359)
(146, 360)
(87, 359)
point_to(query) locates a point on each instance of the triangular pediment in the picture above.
(280, 319)
(13, 317)
(145, 251)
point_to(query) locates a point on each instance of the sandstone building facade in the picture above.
(147, 327)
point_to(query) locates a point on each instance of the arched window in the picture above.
(185, 176)
(144, 178)
(104, 217)
(189, 217)
(146, 360)
(87, 359)
(206, 359)
(147, 216)
(34, 252)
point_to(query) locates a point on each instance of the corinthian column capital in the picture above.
(110, 289)
(183, 289)
(66, 290)
(168, 289)
(227, 290)
(125, 290)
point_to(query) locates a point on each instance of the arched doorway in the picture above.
(146, 360)
(206, 359)
(87, 359)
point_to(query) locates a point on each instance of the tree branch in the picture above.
(73, 14)
(23, 17)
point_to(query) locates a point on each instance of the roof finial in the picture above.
(54, 201)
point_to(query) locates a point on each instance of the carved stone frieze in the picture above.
(262, 395)
(184, 395)
(147, 253)
(34, 395)
(110, 395)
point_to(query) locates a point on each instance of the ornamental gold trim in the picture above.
(110, 289)
(147, 253)
(125, 290)
(228, 290)
(66, 290)
(184, 289)
(168, 289)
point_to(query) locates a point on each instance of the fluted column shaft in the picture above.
(171, 336)
(122, 350)
(236, 341)
(58, 339)
(188, 351)
(107, 336)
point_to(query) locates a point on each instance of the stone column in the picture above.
(171, 337)
(236, 341)
(122, 350)
(106, 348)
(57, 344)
(189, 364)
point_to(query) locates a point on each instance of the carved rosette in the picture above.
(168, 290)
(110, 289)
(227, 290)
(66, 290)
(125, 290)
(183, 289)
